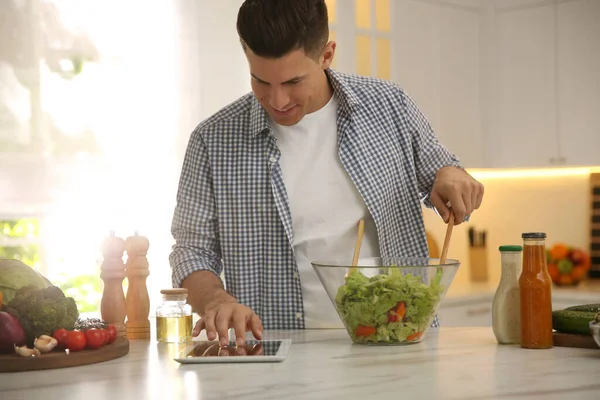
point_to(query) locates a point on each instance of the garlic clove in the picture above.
(26, 351)
(45, 343)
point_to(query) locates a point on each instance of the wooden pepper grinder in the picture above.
(138, 302)
(112, 273)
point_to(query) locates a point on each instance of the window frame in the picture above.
(346, 33)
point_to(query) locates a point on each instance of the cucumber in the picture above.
(585, 307)
(569, 321)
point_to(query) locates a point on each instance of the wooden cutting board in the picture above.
(59, 359)
(572, 340)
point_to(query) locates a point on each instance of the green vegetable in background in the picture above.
(585, 307)
(42, 311)
(14, 275)
(569, 321)
(387, 308)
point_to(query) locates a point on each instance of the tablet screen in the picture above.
(250, 348)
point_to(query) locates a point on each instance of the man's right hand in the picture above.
(221, 315)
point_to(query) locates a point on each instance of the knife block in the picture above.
(478, 263)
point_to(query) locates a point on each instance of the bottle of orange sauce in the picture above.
(536, 294)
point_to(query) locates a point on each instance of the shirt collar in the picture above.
(348, 100)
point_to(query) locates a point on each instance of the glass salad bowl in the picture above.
(387, 301)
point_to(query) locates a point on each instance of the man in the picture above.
(282, 176)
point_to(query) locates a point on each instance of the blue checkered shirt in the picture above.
(232, 211)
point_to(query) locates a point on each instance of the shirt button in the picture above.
(296, 276)
(298, 315)
(273, 160)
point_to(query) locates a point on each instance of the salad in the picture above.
(390, 307)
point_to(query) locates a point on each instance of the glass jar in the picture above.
(506, 306)
(174, 317)
(536, 294)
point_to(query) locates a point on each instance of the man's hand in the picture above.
(455, 186)
(218, 310)
(224, 313)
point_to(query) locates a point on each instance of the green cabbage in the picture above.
(15, 274)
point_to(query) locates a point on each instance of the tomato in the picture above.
(578, 273)
(401, 310)
(397, 313)
(112, 333)
(578, 256)
(61, 337)
(94, 339)
(105, 335)
(392, 316)
(362, 330)
(75, 341)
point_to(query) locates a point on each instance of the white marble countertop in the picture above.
(451, 363)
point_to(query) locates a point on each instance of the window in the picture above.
(373, 38)
(88, 121)
(333, 24)
(19, 239)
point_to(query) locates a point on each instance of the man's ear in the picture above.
(327, 54)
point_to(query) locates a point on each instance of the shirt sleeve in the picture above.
(195, 222)
(429, 154)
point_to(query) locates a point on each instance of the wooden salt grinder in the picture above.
(112, 272)
(138, 302)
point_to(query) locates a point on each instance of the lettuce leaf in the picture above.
(366, 302)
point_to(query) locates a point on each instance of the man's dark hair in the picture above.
(274, 28)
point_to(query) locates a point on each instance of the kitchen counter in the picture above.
(473, 292)
(470, 303)
(451, 363)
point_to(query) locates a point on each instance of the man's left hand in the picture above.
(455, 186)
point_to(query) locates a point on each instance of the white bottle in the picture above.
(506, 307)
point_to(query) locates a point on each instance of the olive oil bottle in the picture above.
(174, 329)
(174, 322)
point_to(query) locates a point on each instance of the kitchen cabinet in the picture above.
(546, 83)
(437, 61)
(504, 83)
(435, 51)
(524, 132)
(579, 81)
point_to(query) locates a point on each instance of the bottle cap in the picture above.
(510, 248)
(534, 235)
(174, 291)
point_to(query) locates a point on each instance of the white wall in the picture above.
(212, 66)
(557, 205)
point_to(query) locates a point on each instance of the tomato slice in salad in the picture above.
(397, 313)
(363, 330)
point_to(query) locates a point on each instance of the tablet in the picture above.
(203, 352)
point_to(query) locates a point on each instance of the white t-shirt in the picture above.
(325, 206)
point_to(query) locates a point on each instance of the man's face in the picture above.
(291, 86)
